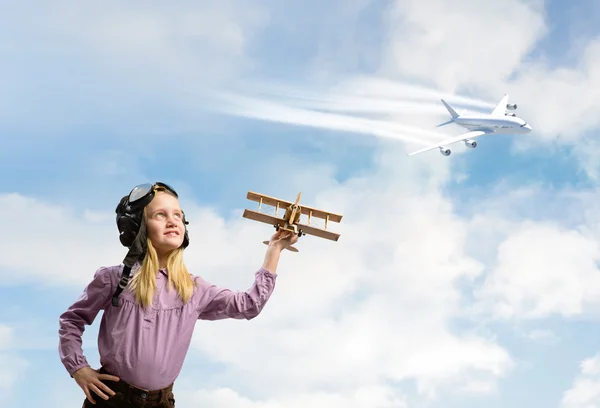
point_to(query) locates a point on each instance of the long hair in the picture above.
(143, 284)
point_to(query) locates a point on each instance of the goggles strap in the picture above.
(136, 252)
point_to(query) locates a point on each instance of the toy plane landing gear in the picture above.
(291, 218)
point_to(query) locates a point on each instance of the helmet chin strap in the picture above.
(136, 253)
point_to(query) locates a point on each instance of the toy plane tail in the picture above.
(452, 113)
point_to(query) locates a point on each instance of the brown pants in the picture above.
(128, 396)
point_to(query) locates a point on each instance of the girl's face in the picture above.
(164, 223)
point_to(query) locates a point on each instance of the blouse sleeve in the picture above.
(83, 312)
(219, 303)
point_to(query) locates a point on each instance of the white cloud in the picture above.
(13, 366)
(371, 396)
(542, 336)
(204, 34)
(562, 102)
(54, 245)
(585, 391)
(541, 270)
(591, 366)
(118, 64)
(461, 44)
(542, 248)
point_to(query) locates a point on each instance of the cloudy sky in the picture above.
(463, 281)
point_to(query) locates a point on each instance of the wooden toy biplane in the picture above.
(290, 221)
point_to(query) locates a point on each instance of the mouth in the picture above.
(171, 233)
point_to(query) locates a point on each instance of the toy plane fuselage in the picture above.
(478, 124)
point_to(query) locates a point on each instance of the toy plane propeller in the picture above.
(290, 221)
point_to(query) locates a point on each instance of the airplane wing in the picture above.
(468, 135)
(500, 109)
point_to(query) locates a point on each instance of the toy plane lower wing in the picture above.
(464, 136)
(307, 229)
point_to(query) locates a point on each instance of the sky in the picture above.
(462, 281)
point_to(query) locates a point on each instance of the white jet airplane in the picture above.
(498, 121)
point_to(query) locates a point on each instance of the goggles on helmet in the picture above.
(142, 194)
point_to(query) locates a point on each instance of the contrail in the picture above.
(267, 110)
(319, 105)
(353, 104)
(372, 90)
(373, 86)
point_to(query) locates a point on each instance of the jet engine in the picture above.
(511, 106)
(445, 151)
(471, 143)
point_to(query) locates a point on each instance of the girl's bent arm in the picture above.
(71, 323)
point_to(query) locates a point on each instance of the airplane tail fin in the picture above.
(450, 110)
(452, 113)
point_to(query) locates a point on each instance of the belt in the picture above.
(128, 389)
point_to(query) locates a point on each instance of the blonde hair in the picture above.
(143, 284)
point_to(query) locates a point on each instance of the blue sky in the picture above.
(462, 281)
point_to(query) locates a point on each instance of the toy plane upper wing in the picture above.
(500, 109)
(276, 202)
(464, 136)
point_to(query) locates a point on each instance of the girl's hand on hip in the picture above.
(91, 380)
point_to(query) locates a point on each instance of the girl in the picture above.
(143, 341)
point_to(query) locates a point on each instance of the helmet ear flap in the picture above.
(186, 236)
(128, 223)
